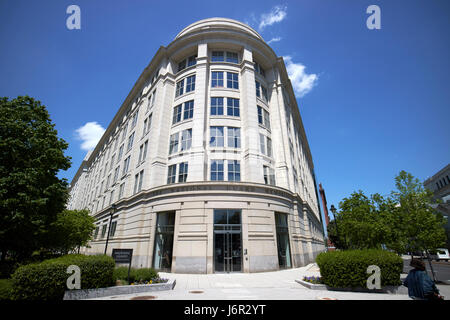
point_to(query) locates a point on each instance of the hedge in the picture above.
(48, 280)
(348, 269)
(144, 274)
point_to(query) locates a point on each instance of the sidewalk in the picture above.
(275, 285)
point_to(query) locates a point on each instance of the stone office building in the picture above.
(206, 166)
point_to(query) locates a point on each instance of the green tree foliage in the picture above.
(31, 194)
(402, 222)
(71, 230)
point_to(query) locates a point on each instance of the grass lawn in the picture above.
(5, 289)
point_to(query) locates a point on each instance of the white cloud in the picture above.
(274, 40)
(301, 81)
(277, 14)
(90, 134)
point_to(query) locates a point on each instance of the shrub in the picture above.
(47, 280)
(144, 274)
(348, 269)
(5, 289)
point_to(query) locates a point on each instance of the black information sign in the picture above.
(123, 256)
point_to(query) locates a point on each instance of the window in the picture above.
(138, 182)
(134, 121)
(112, 231)
(147, 124)
(260, 115)
(264, 91)
(143, 152)
(192, 60)
(111, 197)
(181, 65)
(124, 133)
(96, 232)
(190, 83)
(217, 138)
(186, 139)
(259, 70)
(258, 89)
(188, 110)
(232, 80)
(120, 153)
(116, 174)
(234, 137)
(217, 170)
(173, 145)
(112, 161)
(108, 180)
(217, 56)
(171, 175)
(104, 230)
(269, 147)
(126, 165)
(262, 143)
(232, 57)
(233, 107)
(217, 79)
(180, 88)
(266, 119)
(269, 175)
(121, 190)
(130, 142)
(183, 172)
(176, 114)
(234, 170)
(216, 106)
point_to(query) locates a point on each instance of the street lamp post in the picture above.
(113, 210)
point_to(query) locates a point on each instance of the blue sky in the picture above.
(373, 102)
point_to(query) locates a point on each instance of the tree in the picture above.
(71, 230)
(31, 194)
(420, 227)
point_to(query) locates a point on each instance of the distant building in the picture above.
(330, 245)
(440, 185)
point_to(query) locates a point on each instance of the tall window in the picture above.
(121, 190)
(186, 139)
(180, 88)
(262, 143)
(173, 146)
(264, 92)
(234, 170)
(192, 60)
(217, 137)
(190, 83)
(258, 89)
(266, 119)
(135, 118)
(183, 172)
(260, 115)
(171, 175)
(269, 175)
(233, 107)
(130, 142)
(138, 182)
(217, 79)
(177, 114)
(116, 174)
(216, 106)
(126, 165)
(111, 197)
(188, 110)
(232, 80)
(269, 147)
(217, 170)
(124, 132)
(234, 137)
(143, 152)
(147, 124)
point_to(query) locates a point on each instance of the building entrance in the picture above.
(163, 248)
(227, 241)
(284, 254)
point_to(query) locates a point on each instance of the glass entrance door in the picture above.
(227, 241)
(162, 253)
(284, 254)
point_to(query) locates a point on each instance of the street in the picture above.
(441, 269)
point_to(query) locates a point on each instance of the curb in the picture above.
(388, 289)
(117, 290)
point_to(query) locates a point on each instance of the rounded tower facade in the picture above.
(206, 166)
